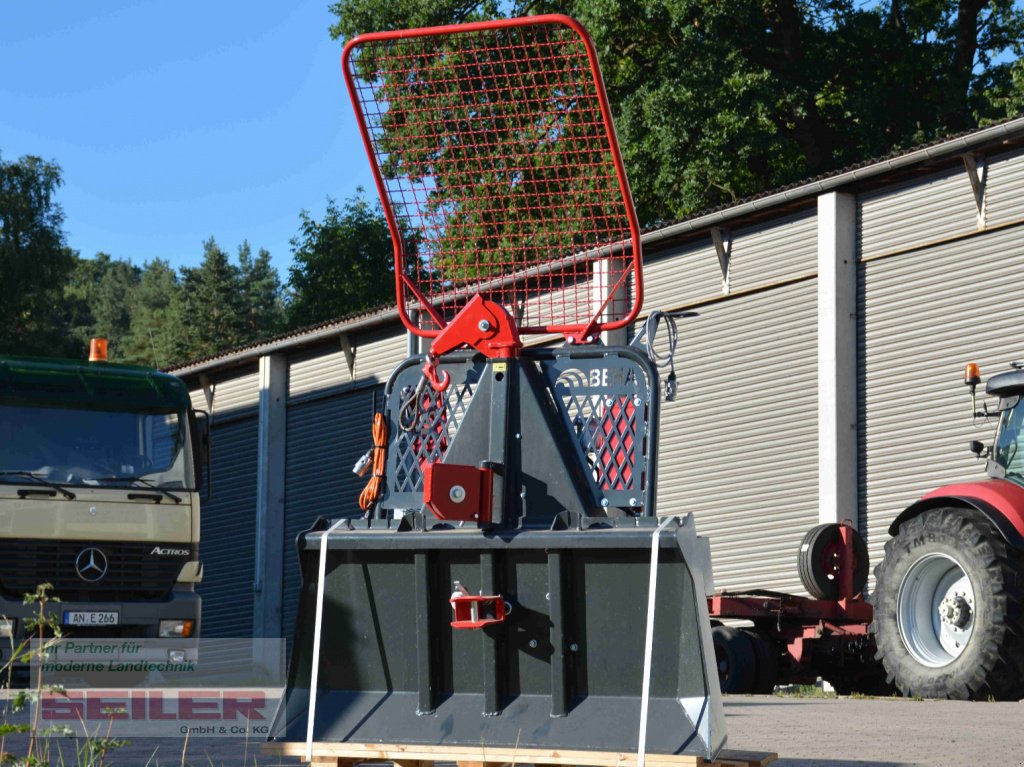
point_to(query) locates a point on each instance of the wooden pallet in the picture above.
(349, 754)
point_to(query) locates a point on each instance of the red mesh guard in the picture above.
(494, 154)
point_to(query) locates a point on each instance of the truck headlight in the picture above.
(177, 629)
(8, 626)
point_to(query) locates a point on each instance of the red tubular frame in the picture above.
(407, 288)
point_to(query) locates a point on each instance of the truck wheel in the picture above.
(737, 663)
(819, 561)
(949, 617)
(766, 652)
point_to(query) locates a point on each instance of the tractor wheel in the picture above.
(819, 561)
(949, 610)
(766, 651)
(736, 659)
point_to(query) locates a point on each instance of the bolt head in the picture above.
(484, 326)
(573, 647)
(457, 494)
(604, 503)
(634, 502)
(533, 643)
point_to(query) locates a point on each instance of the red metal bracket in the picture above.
(474, 612)
(482, 325)
(458, 493)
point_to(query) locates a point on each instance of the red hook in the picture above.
(437, 383)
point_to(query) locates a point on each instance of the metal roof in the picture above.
(914, 161)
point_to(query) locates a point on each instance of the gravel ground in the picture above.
(805, 732)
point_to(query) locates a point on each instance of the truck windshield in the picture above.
(1008, 453)
(94, 447)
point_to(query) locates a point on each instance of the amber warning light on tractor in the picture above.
(97, 350)
(972, 375)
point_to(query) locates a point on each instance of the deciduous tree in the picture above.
(341, 264)
(715, 101)
(35, 261)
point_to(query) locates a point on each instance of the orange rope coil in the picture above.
(371, 493)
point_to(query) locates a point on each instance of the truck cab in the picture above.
(100, 467)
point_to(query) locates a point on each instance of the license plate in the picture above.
(90, 618)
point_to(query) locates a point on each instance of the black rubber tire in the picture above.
(812, 559)
(766, 651)
(991, 665)
(736, 660)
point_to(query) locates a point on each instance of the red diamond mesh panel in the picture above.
(495, 157)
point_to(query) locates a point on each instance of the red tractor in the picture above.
(949, 593)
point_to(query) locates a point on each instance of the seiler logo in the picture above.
(157, 551)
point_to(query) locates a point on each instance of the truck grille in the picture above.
(132, 572)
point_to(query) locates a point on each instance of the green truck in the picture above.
(100, 468)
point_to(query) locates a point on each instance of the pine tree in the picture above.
(261, 291)
(214, 309)
(155, 309)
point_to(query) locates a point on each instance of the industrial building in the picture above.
(821, 380)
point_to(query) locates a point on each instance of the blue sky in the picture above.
(173, 122)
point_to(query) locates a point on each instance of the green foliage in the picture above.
(213, 303)
(504, 160)
(342, 264)
(154, 337)
(97, 301)
(91, 749)
(262, 296)
(34, 260)
(715, 101)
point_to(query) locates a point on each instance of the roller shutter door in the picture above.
(325, 438)
(739, 445)
(228, 530)
(923, 315)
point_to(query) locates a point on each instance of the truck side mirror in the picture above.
(977, 447)
(201, 446)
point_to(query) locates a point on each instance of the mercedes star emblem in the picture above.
(91, 564)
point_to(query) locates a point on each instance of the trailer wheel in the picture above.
(949, 615)
(819, 561)
(766, 652)
(736, 659)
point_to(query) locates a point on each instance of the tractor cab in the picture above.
(1007, 457)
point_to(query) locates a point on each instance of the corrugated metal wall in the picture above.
(326, 436)
(739, 446)
(1004, 201)
(237, 393)
(759, 256)
(916, 212)
(923, 315)
(228, 534)
(376, 353)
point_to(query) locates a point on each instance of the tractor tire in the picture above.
(736, 660)
(949, 609)
(818, 561)
(766, 651)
